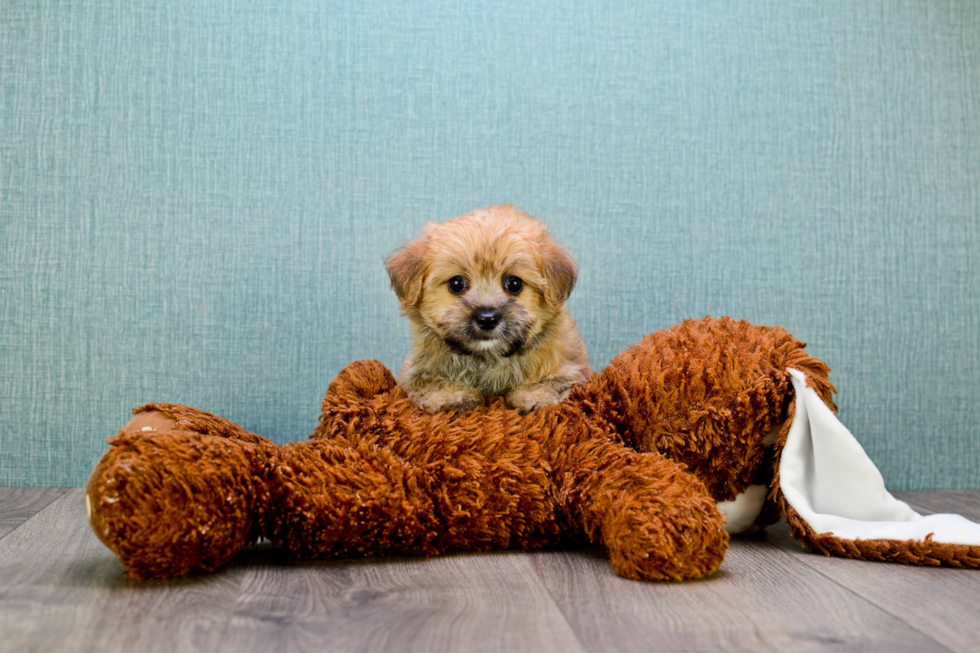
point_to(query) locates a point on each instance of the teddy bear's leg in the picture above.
(656, 519)
(337, 499)
(179, 490)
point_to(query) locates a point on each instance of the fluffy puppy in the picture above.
(485, 294)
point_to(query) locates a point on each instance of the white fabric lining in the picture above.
(741, 512)
(833, 485)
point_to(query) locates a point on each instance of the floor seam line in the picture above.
(847, 589)
(64, 491)
(564, 617)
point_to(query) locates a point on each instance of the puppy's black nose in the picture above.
(487, 318)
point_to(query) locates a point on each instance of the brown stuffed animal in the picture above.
(636, 459)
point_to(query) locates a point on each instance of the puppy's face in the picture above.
(485, 283)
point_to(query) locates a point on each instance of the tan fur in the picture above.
(533, 358)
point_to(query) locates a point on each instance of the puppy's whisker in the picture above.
(457, 346)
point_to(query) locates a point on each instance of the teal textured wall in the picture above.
(195, 198)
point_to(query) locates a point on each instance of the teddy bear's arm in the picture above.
(656, 519)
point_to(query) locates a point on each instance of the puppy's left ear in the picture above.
(406, 268)
(560, 273)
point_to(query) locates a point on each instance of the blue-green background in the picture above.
(195, 198)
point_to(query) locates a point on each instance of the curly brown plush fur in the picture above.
(634, 459)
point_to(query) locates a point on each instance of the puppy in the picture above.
(485, 295)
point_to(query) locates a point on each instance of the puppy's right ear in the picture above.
(406, 268)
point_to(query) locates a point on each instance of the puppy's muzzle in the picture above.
(487, 318)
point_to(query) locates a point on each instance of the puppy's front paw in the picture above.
(459, 399)
(531, 397)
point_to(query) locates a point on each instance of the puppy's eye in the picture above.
(458, 285)
(513, 285)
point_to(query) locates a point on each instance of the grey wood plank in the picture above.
(62, 590)
(462, 602)
(18, 504)
(760, 600)
(940, 602)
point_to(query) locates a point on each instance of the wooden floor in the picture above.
(61, 590)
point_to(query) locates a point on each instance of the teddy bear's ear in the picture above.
(406, 268)
(560, 272)
(361, 379)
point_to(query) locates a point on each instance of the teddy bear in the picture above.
(679, 441)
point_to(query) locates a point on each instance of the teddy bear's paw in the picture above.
(674, 544)
(524, 399)
(447, 399)
(150, 421)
